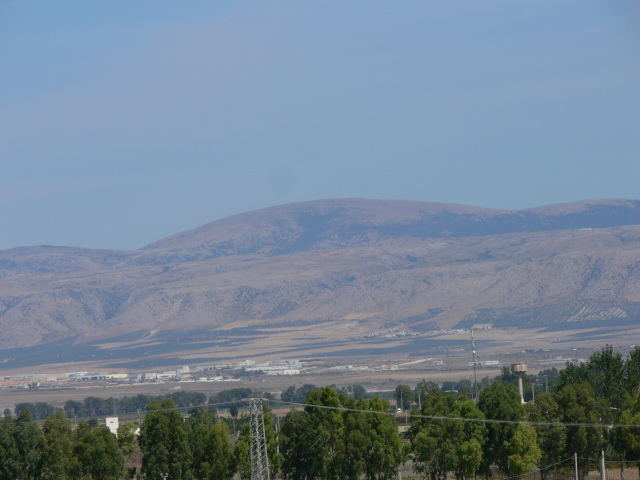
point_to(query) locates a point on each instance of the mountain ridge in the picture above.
(354, 265)
(336, 222)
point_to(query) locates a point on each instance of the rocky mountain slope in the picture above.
(370, 264)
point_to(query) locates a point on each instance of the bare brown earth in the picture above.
(335, 278)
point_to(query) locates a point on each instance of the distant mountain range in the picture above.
(365, 265)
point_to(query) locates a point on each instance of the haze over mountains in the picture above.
(347, 268)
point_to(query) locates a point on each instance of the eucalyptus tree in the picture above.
(164, 442)
(98, 454)
(325, 427)
(499, 402)
(127, 438)
(632, 371)
(21, 447)
(58, 459)
(440, 446)
(339, 438)
(404, 396)
(355, 444)
(604, 371)
(211, 449)
(523, 450)
(384, 451)
(295, 439)
(578, 404)
(629, 437)
(551, 436)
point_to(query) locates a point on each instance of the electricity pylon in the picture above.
(259, 459)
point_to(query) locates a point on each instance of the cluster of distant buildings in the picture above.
(210, 373)
(563, 361)
(488, 364)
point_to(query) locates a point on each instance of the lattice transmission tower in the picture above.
(259, 459)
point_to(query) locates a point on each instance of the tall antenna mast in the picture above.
(259, 458)
(475, 377)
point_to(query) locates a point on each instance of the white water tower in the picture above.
(519, 369)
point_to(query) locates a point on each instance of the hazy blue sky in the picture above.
(123, 122)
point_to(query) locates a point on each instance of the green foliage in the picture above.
(58, 459)
(39, 410)
(551, 438)
(523, 450)
(212, 451)
(547, 379)
(242, 448)
(73, 408)
(101, 407)
(605, 372)
(127, 438)
(632, 370)
(355, 391)
(21, 447)
(631, 436)
(500, 403)
(340, 444)
(242, 452)
(404, 396)
(441, 446)
(423, 388)
(164, 442)
(578, 404)
(297, 395)
(358, 391)
(97, 453)
(461, 387)
(295, 440)
(226, 398)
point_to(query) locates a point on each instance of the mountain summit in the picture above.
(335, 269)
(335, 224)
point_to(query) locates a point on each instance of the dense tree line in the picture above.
(341, 436)
(101, 407)
(198, 448)
(38, 410)
(335, 443)
(295, 394)
(57, 451)
(229, 398)
(598, 394)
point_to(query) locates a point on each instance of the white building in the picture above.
(112, 424)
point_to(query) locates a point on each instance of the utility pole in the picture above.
(259, 458)
(475, 376)
(533, 391)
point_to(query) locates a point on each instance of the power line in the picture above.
(477, 420)
(410, 415)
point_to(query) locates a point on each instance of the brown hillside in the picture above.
(359, 265)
